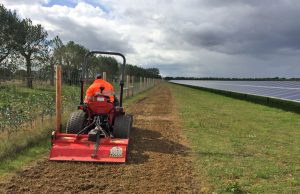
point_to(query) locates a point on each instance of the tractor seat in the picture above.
(100, 104)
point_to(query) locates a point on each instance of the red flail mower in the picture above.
(98, 132)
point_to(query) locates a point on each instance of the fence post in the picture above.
(127, 86)
(132, 81)
(141, 84)
(148, 82)
(104, 75)
(144, 87)
(58, 99)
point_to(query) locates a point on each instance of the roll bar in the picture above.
(84, 72)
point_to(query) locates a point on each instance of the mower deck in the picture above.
(73, 147)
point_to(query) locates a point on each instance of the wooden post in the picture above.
(127, 85)
(132, 87)
(124, 94)
(148, 82)
(58, 98)
(104, 76)
(141, 84)
(144, 84)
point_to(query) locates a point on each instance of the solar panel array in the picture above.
(284, 90)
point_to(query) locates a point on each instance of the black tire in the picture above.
(76, 122)
(122, 126)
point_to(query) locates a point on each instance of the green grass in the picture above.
(31, 154)
(240, 146)
(26, 146)
(136, 97)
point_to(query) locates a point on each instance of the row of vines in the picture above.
(20, 107)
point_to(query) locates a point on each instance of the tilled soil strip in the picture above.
(158, 160)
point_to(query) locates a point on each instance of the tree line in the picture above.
(27, 53)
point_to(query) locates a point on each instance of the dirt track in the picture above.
(158, 161)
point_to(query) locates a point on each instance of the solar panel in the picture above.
(285, 90)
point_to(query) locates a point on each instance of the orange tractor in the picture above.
(99, 131)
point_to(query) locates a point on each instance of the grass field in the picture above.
(240, 147)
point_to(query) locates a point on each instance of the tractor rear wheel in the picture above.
(122, 126)
(76, 122)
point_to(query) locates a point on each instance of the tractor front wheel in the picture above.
(76, 122)
(122, 126)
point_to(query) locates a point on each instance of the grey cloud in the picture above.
(240, 3)
(205, 37)
(90, 37)
(266, 29)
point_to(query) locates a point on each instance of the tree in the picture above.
(51, 56)
(9, 30)
(72, 57)
(154, 72)
(99, 64)
(32, 44)
(56, 57)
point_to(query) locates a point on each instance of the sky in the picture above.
(201, 38)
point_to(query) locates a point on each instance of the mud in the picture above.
(158, 160)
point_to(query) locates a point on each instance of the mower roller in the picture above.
(99, 131)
